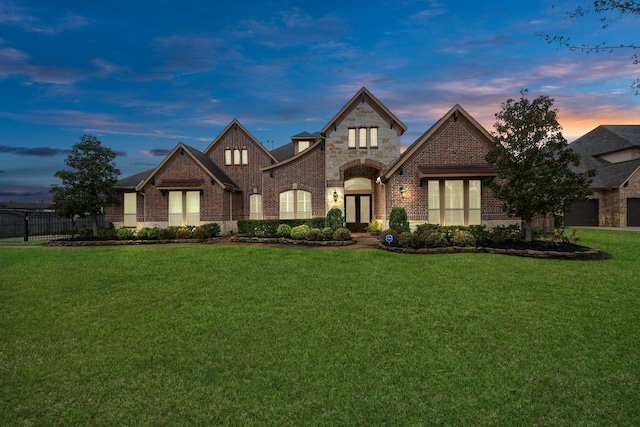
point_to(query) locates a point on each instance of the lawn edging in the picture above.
(285, 241)
(590, 254)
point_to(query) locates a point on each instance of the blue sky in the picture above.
(145, 75)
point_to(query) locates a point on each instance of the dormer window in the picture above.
(303, 145)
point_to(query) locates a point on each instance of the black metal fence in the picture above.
(24, 225)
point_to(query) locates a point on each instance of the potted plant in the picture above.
(374, 227)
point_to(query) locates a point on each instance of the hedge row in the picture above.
(204, 231)
(434, 236)
(269, 227)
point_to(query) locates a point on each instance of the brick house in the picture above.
(614, 152)
(354, 163)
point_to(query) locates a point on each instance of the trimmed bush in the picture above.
(398, 219)
(107, 233)
(314, 234)
(436, 239)
(284, 230)
(334, 219)
(148, 233)
(184, 233)
(126, 233)
(342, 233)
(201, 232)
(506, 233)
(405, 239)
(463, 238)
(269, 227)
(300, 232)
(327, 233)
(213, 228)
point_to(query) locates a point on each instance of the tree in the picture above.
(608, 11)
(87, 188)
(533, 161)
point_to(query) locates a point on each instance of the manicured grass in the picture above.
(227, 335)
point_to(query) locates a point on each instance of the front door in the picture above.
(357, 211)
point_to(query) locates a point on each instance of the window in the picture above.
(454, 202)
(362, 141)
(245, 156)
(302, 145)
(295, 204)
(373, 137)
(236, 157)
(130, 210)
(255, 206)
(352, 138)
(227, 157)
(184, 208)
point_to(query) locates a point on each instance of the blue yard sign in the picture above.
(389, 238)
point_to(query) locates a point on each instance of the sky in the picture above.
(143, 76)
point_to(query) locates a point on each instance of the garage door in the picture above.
(633, 212)
(582, 213)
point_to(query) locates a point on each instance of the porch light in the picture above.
(403, 191)
(335, 196)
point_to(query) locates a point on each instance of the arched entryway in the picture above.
(358, 203)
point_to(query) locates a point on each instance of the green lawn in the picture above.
(229, 335)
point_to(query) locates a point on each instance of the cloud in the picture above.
(1, 171)
(14, 62)
(156, 152)
(35, 151)
(190, 54)
(25, 19)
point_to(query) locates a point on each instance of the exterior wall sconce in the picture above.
(335, 196)
(403, 191)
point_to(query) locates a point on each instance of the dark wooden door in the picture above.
(357, 211)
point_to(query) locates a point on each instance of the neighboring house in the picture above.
(614, 152)
(353, 163)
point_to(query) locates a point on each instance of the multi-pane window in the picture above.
(363, 137)
(454, 202)
(184, 208)
(255, 206)
(236, 156)
(130, 210)
(295, 204)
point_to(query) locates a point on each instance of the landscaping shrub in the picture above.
(85, 232)
(436, 239)
(405, 239)
(184, 233)
(284, 230)
(167, 233)
(462, 237)
(334, 219)
(107, 233)
(327, 233)
(201, 232)
(480, 233)
(126, 233)
(506, 233)
(398, 219)
(314, 234)
(269, 227)
(300, 232)
(213, 228)
(342, 233)
(148, 233)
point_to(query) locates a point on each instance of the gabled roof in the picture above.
(205, 163)
(455, 111)
(131, 182)
(235, 124)
(607, 139)
(363, 95)
(297, 156)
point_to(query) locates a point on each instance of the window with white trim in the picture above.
(295, 204)
(130, 210)
(245, 156)
(255, 206)
(236, 157)
(228, 160)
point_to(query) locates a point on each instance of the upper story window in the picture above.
(236, 156)
(363, 137)
(302, 145)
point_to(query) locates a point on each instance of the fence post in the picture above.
(26, 226)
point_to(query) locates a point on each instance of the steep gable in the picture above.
(456, 140)
(362, 96)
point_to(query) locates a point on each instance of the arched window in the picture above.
(295, 204)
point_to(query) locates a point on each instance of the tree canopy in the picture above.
(86, 187)
(534, 164)
(608, 12)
